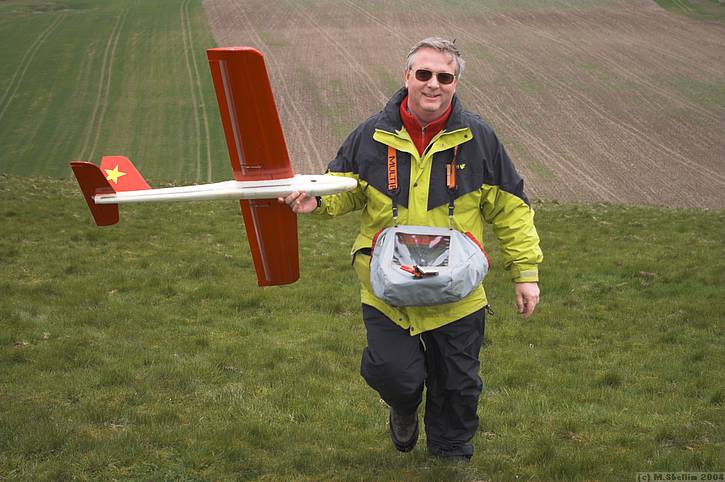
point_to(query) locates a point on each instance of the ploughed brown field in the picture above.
(596, 100)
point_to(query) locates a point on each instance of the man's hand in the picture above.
(527, 297)
(299, 202)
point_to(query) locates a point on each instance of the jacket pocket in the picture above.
(361, 264)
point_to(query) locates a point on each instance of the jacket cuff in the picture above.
(525, 273)
(321, 208)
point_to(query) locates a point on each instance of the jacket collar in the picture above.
(391, 122)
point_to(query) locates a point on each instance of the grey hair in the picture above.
(441, 45)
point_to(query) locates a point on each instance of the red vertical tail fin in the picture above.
(116, 174)
(122, 174)
(92, 182)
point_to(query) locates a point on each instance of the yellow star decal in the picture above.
(114, 174)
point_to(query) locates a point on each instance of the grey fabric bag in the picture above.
(423, 266)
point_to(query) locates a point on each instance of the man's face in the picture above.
(428, 100)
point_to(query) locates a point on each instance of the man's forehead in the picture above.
(432, 55)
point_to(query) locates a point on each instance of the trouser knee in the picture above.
(393, 363)
(399, 384)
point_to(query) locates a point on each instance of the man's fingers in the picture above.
(292, 197)
(520, 303)
(299, 202)
(289, 198)
(527, 297)
(529, 306)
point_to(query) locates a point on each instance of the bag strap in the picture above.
(451, 185)
(393, 181)
(394, 189)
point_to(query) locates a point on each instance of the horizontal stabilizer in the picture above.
(92, 182)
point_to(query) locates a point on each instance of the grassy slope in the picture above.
(145, 350)
(96, 77)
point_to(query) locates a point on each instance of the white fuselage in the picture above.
(313, 185)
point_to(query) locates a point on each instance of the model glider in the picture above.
(260, 163)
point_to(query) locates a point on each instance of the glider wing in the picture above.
(257, 151)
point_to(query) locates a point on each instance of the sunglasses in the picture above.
(444, 78)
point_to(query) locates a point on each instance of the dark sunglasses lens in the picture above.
(445, 78)
(423, 75)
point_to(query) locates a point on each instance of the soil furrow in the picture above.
(614, 101)
(619, 125)
(370, 83)
(298, 121)
(568, 45)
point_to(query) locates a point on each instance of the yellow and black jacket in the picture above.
(488, 190)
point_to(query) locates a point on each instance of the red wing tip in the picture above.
(220, 52)
(278, 282)
(233, 48)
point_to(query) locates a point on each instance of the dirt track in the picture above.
(603, 101)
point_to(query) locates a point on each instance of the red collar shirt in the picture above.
(421, 135)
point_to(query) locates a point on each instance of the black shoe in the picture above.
(403, 430)
(450, 457)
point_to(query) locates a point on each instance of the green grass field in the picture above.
(145, 351)
(86, 78)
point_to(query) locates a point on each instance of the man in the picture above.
(425, 127)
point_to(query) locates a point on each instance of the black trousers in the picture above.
(444, 361)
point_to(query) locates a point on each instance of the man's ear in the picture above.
(405, 78)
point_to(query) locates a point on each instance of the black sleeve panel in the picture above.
(362, 155)
(482, 160)
(505, 175)
(346, 159)
(498, 169)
